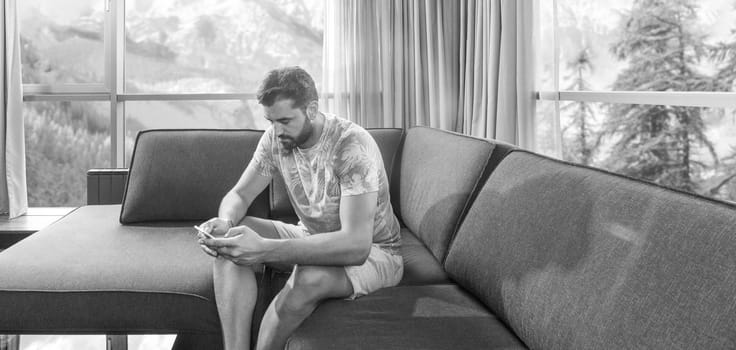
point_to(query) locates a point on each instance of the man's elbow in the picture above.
(359, 254)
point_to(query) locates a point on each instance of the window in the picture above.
(95, 72)
(643, 88)
(62, 42)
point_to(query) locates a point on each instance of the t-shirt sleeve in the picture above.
(355, 163)
(263, 158)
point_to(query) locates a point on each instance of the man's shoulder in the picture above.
(348, 132)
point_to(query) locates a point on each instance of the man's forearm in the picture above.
(233, 207)
(337, 248)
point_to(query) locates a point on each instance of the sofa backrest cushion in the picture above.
(388, 141)
(574, 257)
(438, 172)
(183, 174)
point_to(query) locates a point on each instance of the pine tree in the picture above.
(655, 142)
(579, 138)
(723, 183)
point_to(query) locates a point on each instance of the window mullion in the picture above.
(116, 79)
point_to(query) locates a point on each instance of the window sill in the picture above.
(13, 230)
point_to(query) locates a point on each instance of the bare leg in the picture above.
(235, 296)
(306, 288)
(236, 292)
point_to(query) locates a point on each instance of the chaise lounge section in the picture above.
(503, 248)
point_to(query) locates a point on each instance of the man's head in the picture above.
(289, 98)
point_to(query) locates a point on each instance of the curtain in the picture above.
(13, 195)
(497, 89)
(354, 92)
(392, 63)
(9, 342)
(459, 65)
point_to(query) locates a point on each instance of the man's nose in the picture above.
(278, 129)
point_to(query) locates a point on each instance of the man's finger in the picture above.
(221, 242)
(225, 252)
(208, 251)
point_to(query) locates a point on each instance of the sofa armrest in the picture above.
(106, 186)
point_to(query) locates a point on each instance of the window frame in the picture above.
(113, 88)
(672, 98)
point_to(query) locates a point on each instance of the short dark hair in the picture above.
(287, 83)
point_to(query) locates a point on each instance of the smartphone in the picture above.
(205, 233)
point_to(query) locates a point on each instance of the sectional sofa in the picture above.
(503, 248)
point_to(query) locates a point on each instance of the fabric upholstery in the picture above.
(417, 317)
(388, 141)
(439, 169)
(576, 258)
(89, 273)
(183, 174)
(420, 266)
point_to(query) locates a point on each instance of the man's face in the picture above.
(290, 125)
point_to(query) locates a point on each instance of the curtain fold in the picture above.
(392, 63)
(460, 65)
(13, 195)
(497, 90)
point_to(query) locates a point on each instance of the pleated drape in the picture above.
(13, 195)
(460, 65)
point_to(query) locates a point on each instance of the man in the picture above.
(347, 241)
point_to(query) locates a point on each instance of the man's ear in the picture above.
(312, 109)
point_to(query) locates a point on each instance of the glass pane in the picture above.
(692, 149)
(545, 138)
(63, 342)
(647, 45)
(63, 141)
(545, 50)
(151, 341)
(141, 115)
(218, 45)
(62, 41)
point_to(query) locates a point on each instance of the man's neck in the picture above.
(318, 124)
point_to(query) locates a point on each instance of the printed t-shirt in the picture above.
(345, 161)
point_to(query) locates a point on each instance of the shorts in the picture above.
(381, 269)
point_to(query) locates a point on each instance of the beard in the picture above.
(289, 143)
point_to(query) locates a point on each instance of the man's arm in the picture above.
(348, 246)
(236, 202)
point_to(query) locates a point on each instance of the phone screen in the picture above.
(204, 232)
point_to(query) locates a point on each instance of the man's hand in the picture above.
(215, 227)
(241, 245)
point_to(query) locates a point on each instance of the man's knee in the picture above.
(307, 286)
(250, 221)
(226, 269)
(264, 227)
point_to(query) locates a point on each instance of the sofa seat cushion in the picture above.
(407, 317)
(87, 273)
(420, 266)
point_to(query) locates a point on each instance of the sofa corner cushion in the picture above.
(574, 257)
(88, 273)
(183, 174)
(408, 317)
(420, 265)
(438, 172)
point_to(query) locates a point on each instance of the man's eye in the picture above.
(284, 122)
